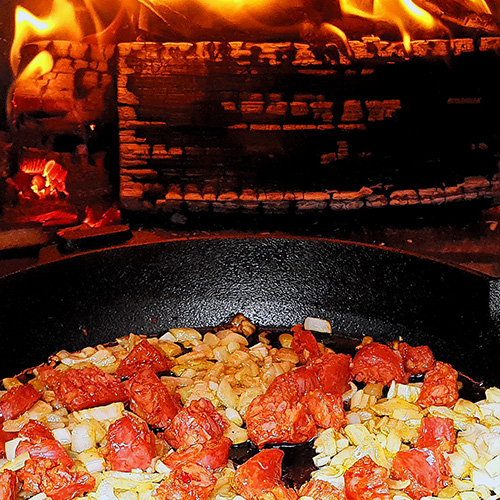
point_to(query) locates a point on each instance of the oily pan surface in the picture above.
(94, 298)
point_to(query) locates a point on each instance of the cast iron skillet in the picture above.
(362, 290)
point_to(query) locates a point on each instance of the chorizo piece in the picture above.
(304, 343)
(212, 454)
(440, 387)
(365, 480)
(427, 471)
(8, 484)
(187, 482)
(318, 489)
(327, 410)
(78, 389)
(151, 400)
(54, 479)
(416, 360)
(261, 475)
(438, 434)
(197, 423)
(143, 355)
(333, 372)
(273, 419)
(378, 364)
(131, 445)
(17, 400)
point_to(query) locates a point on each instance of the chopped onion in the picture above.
(318, 325)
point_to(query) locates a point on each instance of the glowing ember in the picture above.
(95, 217)
(49, 178)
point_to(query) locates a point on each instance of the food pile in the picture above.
(160, 417)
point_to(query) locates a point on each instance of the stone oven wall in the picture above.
(274, 127)
(294, 127)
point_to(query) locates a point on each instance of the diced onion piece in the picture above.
(468, 451)
(10, 383)
(493, 467)
(226, 394)
(92, 460)
(228, 336)
(83, 437)
(353, 418)
(236, 434)
(184, 334)
(105, 492)
(62, 435)
(459, 465)
(318, 325)
(10, 448)
(462, 485)
(321, 460)
(469, 495)
(168, 336)
(17, 463)
(286, 340)
(233, 416)
(161, 467)
(357, 433)
(493, 395)
(110, 412)
(398, 485)
(211, 340)
(127, 495)
(482, 477)
(39, 496)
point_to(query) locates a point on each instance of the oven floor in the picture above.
(467, 239)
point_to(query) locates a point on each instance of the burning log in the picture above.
(456, 15)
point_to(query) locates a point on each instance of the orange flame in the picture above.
(41, 64)
(404, 14)
(60, 23)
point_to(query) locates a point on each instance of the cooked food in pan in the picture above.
(234, 413)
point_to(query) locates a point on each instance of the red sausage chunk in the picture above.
(327, 410)
(197, 423)
(17, 400)
(378, 364)
(4, 437)
(438, 434)
(187, 482)
(142, 356)
(333, 371)
(54, 479)
(304, 343)
(416, 360)
(131, 445)
(78, 389)
(321, 490)
(7, 485)
(274, 419)
(151, 400)
(426, 470)
(34, 430)
(262, 474)
(365, 480)
(440, 387)
(212, 454)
